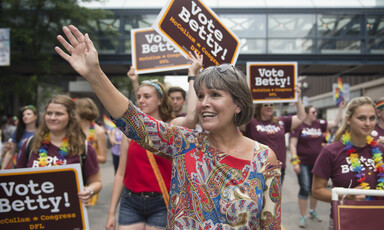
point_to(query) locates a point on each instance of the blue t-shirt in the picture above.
(25, 137)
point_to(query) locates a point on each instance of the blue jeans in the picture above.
(136, 209)
(305, 181)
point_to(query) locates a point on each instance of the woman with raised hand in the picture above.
(60, 141)
(270, 130)
(220, 178)
(135, 183)
(353, 160)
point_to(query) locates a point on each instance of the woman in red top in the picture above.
(142, 205)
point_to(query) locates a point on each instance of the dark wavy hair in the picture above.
(20, 128)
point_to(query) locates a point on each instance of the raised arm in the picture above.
(300, 116)
(189, 121)
(134, 77)
(83, 57)
(334, 123)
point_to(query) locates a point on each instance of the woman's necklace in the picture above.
(356, 164)
(43, 151)
(91, 137)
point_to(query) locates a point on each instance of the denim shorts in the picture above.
(305, 181)
(137, 209)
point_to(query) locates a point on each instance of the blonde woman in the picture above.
(352, 144)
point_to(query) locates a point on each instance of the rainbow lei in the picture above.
(91, 133)
(356, 164)
(43, 151)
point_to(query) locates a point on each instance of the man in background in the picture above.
(177, 95)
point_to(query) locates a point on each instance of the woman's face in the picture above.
(362, 121)
(148, 100)
(56, 117)
(215, 109)
(312, 114)
(266, 111)
(29, 116)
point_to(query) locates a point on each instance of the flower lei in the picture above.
(91, 133)
(43, 151)
(356, 164)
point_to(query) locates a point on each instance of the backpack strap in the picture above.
(28, 150)
(83, 157)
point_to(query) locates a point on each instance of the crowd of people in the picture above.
(219, 164)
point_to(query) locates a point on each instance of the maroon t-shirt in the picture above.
(310, 139)
(270, 134)
(333, 164)
(377, 132)
(90, 166)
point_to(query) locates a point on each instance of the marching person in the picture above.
(305, 145)
(270, 130)
(220, 178)
(28, 123)
(378, 131)
(353, 160)
(60, 141)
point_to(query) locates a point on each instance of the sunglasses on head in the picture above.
(268, 105)
(222, 68)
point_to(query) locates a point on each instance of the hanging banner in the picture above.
(273, 82)
(190, 25)
(153, 53)
(5, 48)
(42, 198)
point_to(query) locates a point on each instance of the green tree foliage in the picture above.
(34, 25)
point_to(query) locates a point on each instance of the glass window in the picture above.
(342, 26)
(375, 25)
(337, 46)
(376, 46)
(290, 25)
(293, 46)
(245, 25)
(253, 46)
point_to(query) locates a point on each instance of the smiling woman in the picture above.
(220, 179)
(354, 160)
(60, 141)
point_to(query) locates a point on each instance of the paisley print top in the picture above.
(209, 189)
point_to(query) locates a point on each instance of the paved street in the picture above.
(290, 213)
